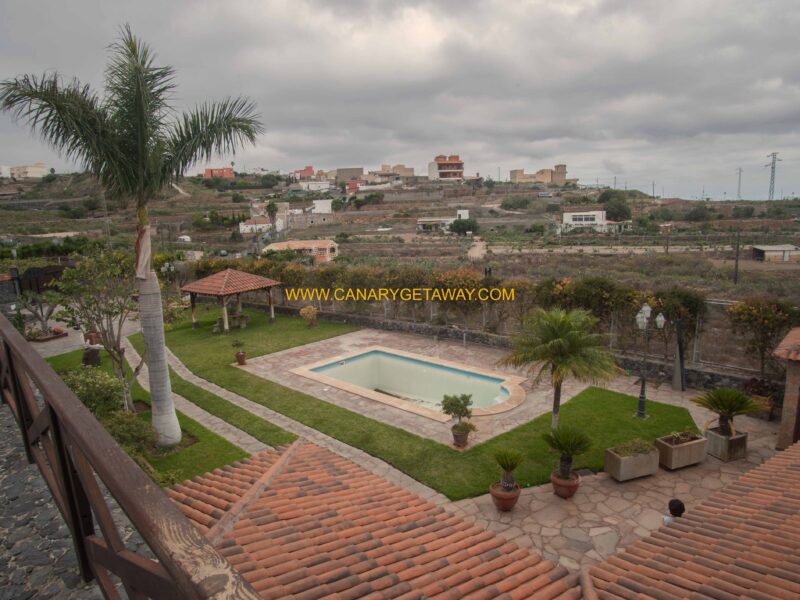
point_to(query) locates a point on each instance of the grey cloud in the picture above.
(646, 90)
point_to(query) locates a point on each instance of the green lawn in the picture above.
(208, 452)
(606, 416)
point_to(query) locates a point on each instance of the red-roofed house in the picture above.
(306, 173)
(224, 172)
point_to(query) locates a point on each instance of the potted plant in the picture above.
(681, 449)
(568, 443)
(631, 459)
(309, 313)
(459, 407)
(724, 441)
(505, 492)
(241, 355)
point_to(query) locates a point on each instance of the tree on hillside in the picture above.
(272, 213)
(618, 210)
(608, 195)
(562, 344)
(129, 140)
(462, 226)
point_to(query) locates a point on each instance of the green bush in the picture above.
(633, 447)
(131, 432)
(99, 390)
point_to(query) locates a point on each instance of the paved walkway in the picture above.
(234, 435)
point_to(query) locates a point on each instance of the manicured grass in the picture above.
(606, 416)
(259, 428)
(208, 452)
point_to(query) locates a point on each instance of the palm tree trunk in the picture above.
(151, 315)
(556, 404)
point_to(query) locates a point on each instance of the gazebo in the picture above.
(226, 285)
(789, 350)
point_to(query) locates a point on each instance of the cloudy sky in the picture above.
(680, 92)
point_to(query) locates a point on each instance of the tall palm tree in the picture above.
(562, 344)
(134, 143)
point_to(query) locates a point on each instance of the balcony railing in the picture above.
(76, 456)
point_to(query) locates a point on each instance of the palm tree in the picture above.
(568, 443)
(130, 140)
(562, 344)
(727, 403)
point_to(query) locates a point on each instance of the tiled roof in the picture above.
(306, 523)
(5, 277)
(741, 542)
(789, 348)
(229, 282)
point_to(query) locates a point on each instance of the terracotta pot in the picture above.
(241, 358)
(460, 438)
(565, 488)
(504, 500)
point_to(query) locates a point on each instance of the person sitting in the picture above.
(676, 509)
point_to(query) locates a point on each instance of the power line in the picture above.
(772, 164)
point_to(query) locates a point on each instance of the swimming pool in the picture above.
(416, 383)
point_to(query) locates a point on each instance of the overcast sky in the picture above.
(680, 92)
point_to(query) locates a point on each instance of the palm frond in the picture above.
(69, 117)
(211, 129)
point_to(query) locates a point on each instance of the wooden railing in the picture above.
(76, 456)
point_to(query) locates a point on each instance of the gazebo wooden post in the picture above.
(193, 302)
(271, 305)
(238, 304)
(224, 300)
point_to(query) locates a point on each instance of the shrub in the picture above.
(99, 390)
(508, 460)
(458, 406)
(567, 442)
(309, 313)
(727, 403)
(132, 433)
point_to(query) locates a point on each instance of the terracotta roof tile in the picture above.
(325, 528)
(228, 283)
(741, 542)
(789, 348)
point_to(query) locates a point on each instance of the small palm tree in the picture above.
(132, 143)
(562, 344)
(727, 403)
(568, 442)
(508, 460)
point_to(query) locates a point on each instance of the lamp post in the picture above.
(645, 324)
(168, 270)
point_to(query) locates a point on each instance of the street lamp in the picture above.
(168, 271)
(644, 324)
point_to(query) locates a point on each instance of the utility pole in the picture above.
(736, 264)
(615, 182)
(654, 189)
(739, 185)
(772, 164)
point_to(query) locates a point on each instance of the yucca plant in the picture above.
(568, 442)
(508, 460)
(727, 403)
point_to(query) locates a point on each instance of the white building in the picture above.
(321, 250)
(184, 238)
(255, 225)
(590, 219)
(462, 214)
(322, 207)
(314, 186)
(5, 171)
(34, 171)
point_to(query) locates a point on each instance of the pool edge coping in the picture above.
(512, 383)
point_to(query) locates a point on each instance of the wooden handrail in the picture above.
(72, 451)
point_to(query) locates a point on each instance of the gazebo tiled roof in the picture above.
(228, 283)
(789, 348)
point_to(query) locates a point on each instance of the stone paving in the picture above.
(277, 367)
(606, 516)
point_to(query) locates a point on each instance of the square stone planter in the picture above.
(623, 468)
(726, 448)
(681, 455)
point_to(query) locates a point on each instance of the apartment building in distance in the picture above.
(346, 174)
(400, 170)
(34, 171)
(555, 176)
(446, 168)
(223, 172)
